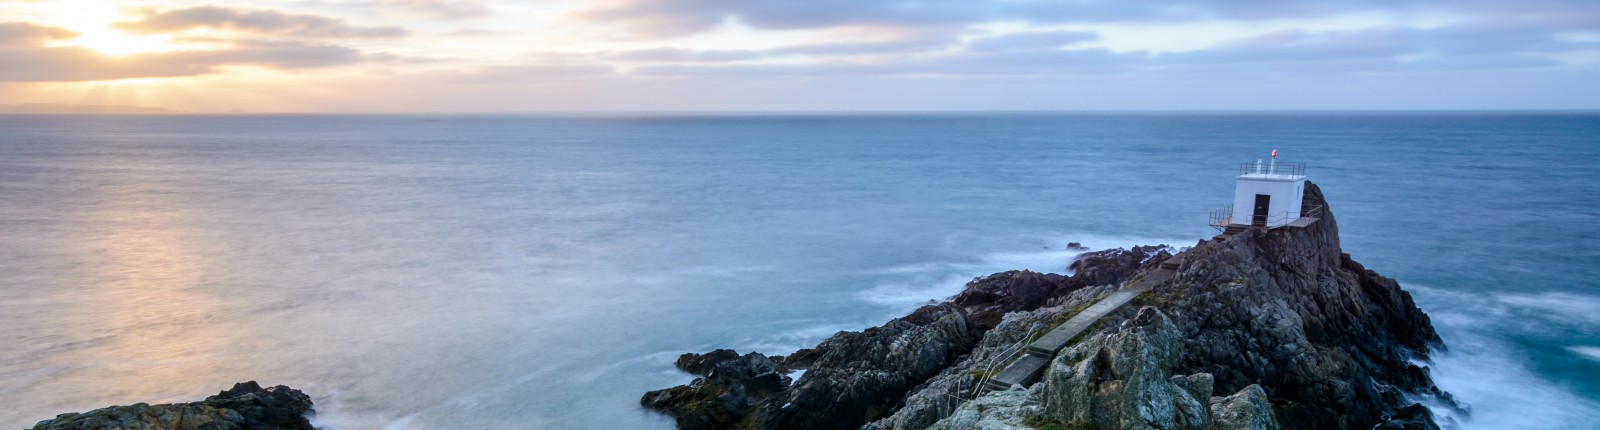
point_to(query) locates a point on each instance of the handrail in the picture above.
(1259, 167)
(1002, 359)
(1222, 218)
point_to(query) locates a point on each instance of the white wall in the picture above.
(1287, 196)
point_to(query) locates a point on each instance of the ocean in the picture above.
(543, 271)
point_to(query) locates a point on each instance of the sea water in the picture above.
(543, 271)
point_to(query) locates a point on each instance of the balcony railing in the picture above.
(1271, 169)
(1222, 218)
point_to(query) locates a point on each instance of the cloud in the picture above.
(29, 34)
(1031, 40)
(67, 64)
(447, 9)
(912, 43)
(256, 21)
(680, 55)
(680, 17)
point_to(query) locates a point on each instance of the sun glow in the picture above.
(113, 42)
(95, 22)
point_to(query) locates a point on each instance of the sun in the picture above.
(95, 22)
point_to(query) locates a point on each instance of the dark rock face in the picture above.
(245, 406)
(990, 298)
(1414, 417)
(1113, 266)
(729, 384)
(1330, 341)
(851, 378)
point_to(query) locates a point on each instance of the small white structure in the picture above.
(1266, 194)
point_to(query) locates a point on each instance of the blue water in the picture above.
(507, 272)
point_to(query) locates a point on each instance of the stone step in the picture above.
(1021, 372)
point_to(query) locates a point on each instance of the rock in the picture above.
(245, 406)
(1414, 417)
(1124, 380)
(1247, 409)
(1113, 266)
(851, 378)
(728, 386)
(1300, 333)
(990, 298)
(1075, 246)
(944, 393)
(1005, 410)
(859, 377)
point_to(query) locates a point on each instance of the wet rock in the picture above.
(990, 298)
(851, 378)
(245, 406)
(1414, 417)
(728, 386)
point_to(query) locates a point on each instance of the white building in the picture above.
(1266, 194)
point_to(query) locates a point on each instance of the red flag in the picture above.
(1274, 153)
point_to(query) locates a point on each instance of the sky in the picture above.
(805, 55)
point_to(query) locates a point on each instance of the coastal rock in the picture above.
(1114, 266)
(941, 395)
(859, 377)
(1414, 417)
(245, 406)
(1123, 379)
(729, 384)
(1300, 334)
(991, 297)
(1247, 409)
(1006, 410)
(851, 378)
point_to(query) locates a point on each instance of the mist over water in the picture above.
(420, 272)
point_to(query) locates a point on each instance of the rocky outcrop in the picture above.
(850, 379)
(729, 384)
(1414, 417)
(1288, 328)
(937, 352)
(1262, 329)
(246, 406)
(1124, 379)
(990, 298)
(1247, 409)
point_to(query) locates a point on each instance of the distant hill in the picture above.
(77, 109)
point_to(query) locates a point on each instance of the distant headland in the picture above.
(57, 108)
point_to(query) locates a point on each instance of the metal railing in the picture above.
(1222, 218)
(1270, 168)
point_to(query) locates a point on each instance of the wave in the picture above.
(1589, 352)
(912, 285)
(1571, 308)
(1485, 369)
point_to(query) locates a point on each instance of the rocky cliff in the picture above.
(1257, 330)
(246, 406)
